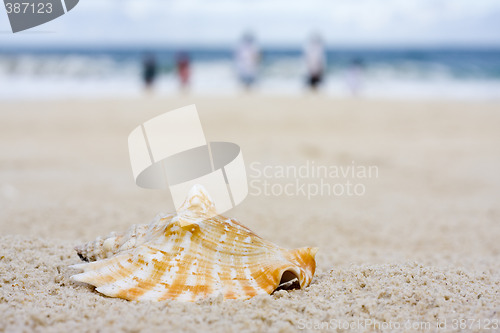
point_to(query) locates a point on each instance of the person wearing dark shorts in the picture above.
(314, 55)
(150, 70)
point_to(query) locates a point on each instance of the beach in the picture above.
(406, 219)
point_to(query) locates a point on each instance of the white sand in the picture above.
(420, 247)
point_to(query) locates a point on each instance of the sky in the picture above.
(350, 23)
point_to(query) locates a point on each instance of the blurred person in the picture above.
(247, 59)
(314, 55)
(354, 78)
(149, 71)
(183, 69)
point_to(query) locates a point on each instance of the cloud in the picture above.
(346, 22)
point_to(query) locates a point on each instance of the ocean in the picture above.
(464, 74)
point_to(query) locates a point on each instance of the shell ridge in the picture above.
(189, 256)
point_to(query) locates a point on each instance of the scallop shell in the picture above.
(188, 257)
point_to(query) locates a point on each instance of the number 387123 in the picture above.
(28, 8)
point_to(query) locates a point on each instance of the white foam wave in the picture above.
(55, 77)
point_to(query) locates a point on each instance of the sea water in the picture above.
(471, 74)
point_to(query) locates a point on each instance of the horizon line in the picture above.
(225, 46)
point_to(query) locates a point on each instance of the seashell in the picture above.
(189, 257)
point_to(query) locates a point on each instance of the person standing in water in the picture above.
(247, 59)
(149, 71)
(183, 70)
(314, 54)
(354, 77)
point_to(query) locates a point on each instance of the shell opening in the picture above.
(288, 281)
